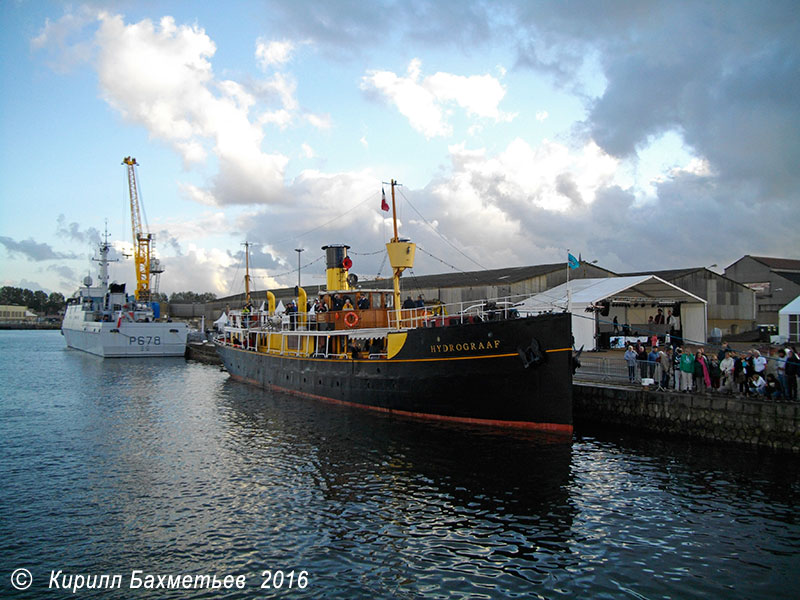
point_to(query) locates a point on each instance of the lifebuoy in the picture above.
(351, 319)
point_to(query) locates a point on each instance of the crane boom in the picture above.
(141, 238)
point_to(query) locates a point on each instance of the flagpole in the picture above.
(569, 295)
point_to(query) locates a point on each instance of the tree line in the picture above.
(37, 301)
(55, 302)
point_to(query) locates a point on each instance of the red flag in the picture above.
(384, 204)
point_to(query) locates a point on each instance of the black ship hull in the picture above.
(509, 373)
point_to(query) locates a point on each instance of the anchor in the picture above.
(532, 355)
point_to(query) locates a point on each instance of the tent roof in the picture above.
(591, 291)
(792, 308)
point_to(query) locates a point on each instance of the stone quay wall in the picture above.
(717, 418)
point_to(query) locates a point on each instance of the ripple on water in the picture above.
(171, 467)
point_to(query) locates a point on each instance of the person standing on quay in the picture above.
(653, 365)
(665, 360)
(630, 358)
(687, 371)
(740, 372)
(676, 368)
(759, 364)
(726, 367)
(780, 370)
(702, 380)
(641, 356)
(715, 372)
(792, 372)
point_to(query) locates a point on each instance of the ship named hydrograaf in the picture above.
(483, 365)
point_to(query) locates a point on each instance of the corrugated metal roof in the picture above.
(473, 278)
(667, 274)
(489, 277)
(673, 274)
(793, 277)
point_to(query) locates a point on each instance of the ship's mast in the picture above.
(104, 248)
(401, 257)
(141, 238)
(247, 272)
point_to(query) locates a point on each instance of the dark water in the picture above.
(170, 468)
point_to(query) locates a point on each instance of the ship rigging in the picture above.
(361, 347)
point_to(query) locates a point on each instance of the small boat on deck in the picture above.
(478, 364)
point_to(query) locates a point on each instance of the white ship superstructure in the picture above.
(105, 321)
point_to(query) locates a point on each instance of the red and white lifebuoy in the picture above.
(351, 319)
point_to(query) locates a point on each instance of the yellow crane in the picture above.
(141, 239)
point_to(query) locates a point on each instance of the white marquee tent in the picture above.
(789, 321)
(631, 299)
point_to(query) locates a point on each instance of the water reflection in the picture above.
(171, 467)
(699, 520)
(406, 504)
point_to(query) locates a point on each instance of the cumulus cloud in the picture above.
(273, 53)
(723, 78)
(492, 214)
(63, 39)
(68, 276)
(338, 208)
(425, 102)
(160, 75)
(32, 250)
(322, 122)
(72, 231)
(203, 225)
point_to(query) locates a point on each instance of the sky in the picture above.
(644, 135)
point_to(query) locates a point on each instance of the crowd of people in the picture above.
(726, 371)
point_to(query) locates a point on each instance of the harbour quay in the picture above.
(711, 417)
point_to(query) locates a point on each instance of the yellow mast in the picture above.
(401, 257)
(247, 273)
(141, 239)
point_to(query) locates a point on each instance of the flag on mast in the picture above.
(573, 262)
(384, 204)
